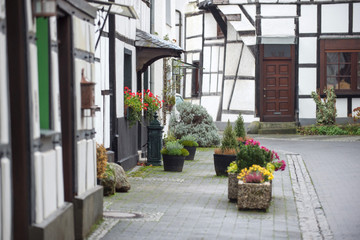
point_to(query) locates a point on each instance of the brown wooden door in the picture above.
(277, 91)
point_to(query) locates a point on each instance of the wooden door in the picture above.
(277, 91)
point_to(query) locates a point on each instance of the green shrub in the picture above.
(239, 127)
(174, 148)
(325, 109)
(195, 120)
(189, 141)
(229, 138)
(251, 154)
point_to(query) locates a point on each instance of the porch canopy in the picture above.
(150, 48)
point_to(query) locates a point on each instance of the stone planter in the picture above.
(173, 163)
(253, 195)
(221, 162)
(192, 151)
(232, 187)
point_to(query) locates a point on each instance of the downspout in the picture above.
(180, 26)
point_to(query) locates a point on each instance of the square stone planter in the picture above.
(253, 195)
(233, 187)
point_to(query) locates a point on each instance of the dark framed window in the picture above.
(340, 65)
(128, 69)
(195, 83)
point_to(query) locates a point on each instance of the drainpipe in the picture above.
(180, 26)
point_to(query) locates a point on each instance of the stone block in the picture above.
(232, 187)
(253, 195)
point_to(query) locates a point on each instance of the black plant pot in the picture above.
(173, 163)
(221, 162)
(192, 151)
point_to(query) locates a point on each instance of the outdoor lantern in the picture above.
(87, 94)
(44, 8)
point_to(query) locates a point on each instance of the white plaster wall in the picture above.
(233, 51)
(228, 84)
(127, 27)
(341, 107)
(308, 19)
(207, 59)
(90, 165)
(49, 182)
(55, 95)
(34, 90)
(38, 170)
(355, 104)
(211, 104)
(81, 35)
(214, 82)
(249, 40)
(102, 119)
(307, 81)
(193, 25)
(4, 108)
(215, 58)
(194, 44)
(268, 10)
(247, 63)
(221, 58)
(119, 73)
(356, 17)
(307, 50)
(206, 83)
(278, 27)
(59, 177)
(81, 167)
(251, 10)
(244, 95)
(6, 198)
(79, 65)
(229, 9)
(210, 30)
(188, 85)
(334, 18)
(233, 117)
(307, 108)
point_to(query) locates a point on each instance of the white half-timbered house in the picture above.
(263, 58)
(48, 152)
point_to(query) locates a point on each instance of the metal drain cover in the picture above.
(118, 214)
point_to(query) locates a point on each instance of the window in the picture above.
(340, 65)
(128, 69)
(195, 86)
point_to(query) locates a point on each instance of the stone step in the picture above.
(277, 125)
(277, 130)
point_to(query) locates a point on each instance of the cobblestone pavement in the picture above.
(193, 204)
(333, 163)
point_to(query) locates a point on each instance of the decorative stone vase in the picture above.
(232, 187)
(253, 195)
(191, 151)
(221, 162)
(173, 163)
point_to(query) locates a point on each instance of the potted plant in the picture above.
(151, 104)
(252, 153)
(133, 106)
(254, 189)
(226, 154)
(190, 144)
(239, 130)
(173, 156)
(233, 171)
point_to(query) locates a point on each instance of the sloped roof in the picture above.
(144, 39)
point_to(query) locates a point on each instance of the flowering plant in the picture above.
(255, 174)
(275, 166)
(252, 153)
(151, 104)
(233, 168)
(134, 102)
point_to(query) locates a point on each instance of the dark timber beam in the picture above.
(216, 14)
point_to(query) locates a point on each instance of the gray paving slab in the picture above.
(193, 204)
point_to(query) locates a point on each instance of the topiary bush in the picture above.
(229, 138)
(239, 127)
(195, 120)
(189, 141)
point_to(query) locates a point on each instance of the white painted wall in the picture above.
(334, 18)
(211, 103)
(270, 10)
(356, 17)
(307, 108)
(6, 198)
(307, 49)
(247, 63)
(355, 104)
(278, 27)
(307, 81)
(341, 107)
(232, 58)
(308, 19)
(210, 30)
(81, 167)
(4, 108)
(244, 95)
(34, 90)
